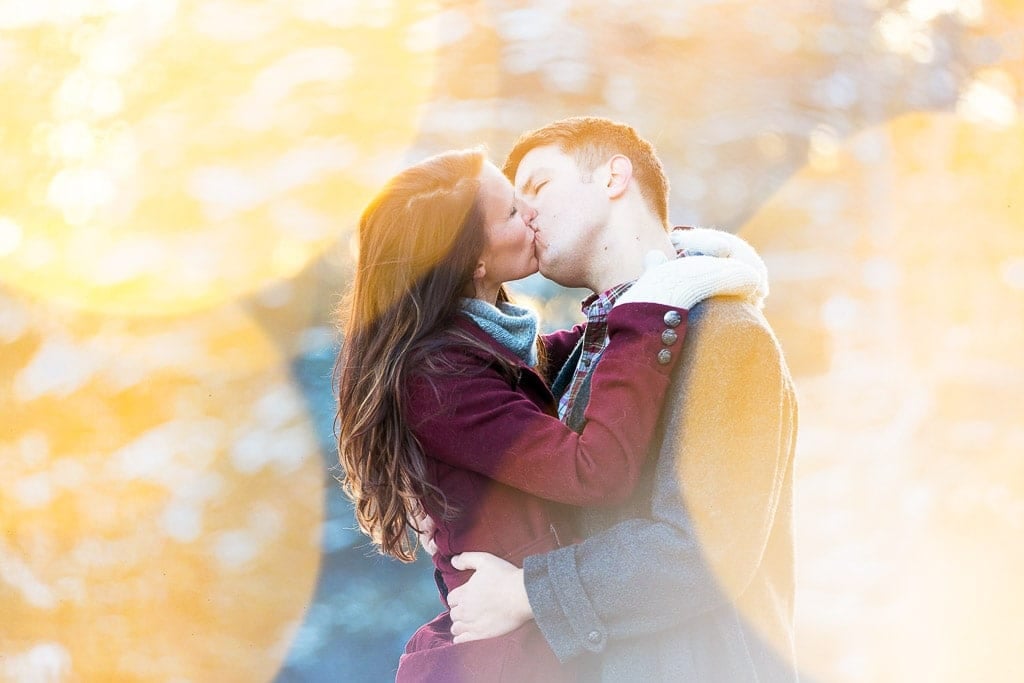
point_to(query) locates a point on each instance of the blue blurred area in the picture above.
(365, 605)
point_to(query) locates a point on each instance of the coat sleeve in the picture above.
(480, 422)
(559, 345)
(723, 469)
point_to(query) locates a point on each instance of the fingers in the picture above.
(463, 632)
(686, 267)
(717, 243)
(748, 279)
(744, 252)
(703, 241)
(735, 278)
(469, 560)
(729, 273)
(702, 266)
(677, 238)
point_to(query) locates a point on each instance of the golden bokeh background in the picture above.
(162, 501)
(906, 244)
(167, 157)
(179, 185)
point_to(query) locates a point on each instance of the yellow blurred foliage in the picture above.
(900, 264)
(164, 157)
(162, 499)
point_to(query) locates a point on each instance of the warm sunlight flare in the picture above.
(162, 498)
(180, 186)
(897, 279)
(171, 156)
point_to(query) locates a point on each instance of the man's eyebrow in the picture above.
(530, 186)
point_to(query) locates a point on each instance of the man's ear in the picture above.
(480, 271)
(620, 172)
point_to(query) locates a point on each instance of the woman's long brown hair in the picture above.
(419, 241)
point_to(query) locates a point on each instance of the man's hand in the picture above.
(492, 603)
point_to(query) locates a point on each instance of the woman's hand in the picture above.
(710, 242)
(686, 281)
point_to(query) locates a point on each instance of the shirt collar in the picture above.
(599, 305)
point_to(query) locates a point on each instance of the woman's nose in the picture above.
(529, 213)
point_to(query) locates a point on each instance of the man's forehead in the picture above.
(548, 159)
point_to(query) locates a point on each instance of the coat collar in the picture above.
(464, 323)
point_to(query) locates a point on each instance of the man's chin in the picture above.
(552, 273)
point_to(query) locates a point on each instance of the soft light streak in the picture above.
(910, 432)
(968, 11)
(990, 99)
(155, 127)
(10, 236)
(898, 31)
(824, 148)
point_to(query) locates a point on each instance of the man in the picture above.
(692, 578)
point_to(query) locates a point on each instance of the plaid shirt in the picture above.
(595, 340)
(595, 336)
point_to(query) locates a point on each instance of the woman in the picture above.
(444, 404)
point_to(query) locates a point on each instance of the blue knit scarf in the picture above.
(512, 326)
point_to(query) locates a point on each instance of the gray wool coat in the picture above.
(692, 578)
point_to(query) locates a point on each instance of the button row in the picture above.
(669, 336)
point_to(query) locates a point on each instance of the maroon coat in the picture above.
(504, 460)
